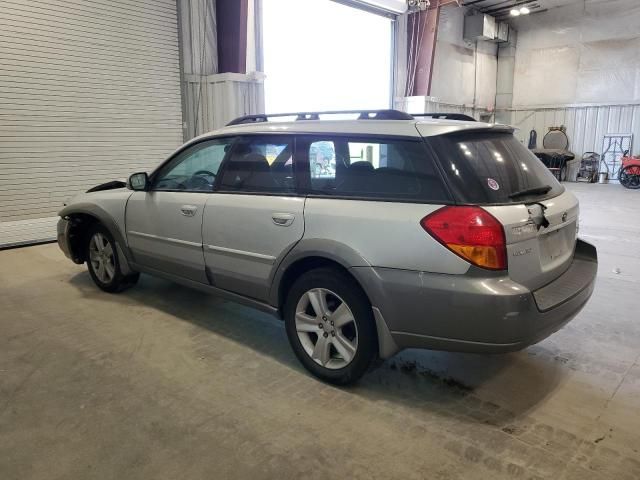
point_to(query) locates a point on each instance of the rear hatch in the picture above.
(492, 169)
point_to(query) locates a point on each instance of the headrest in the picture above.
(259, 163)
(361, 167)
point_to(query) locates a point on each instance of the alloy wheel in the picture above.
(326, 328)
(102, 257)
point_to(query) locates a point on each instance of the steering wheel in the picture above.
(198, 181)
(204, 172)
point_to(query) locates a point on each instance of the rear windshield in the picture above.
(493, 168)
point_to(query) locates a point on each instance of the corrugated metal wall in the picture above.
(586, 126)
(441, 107)
(89, 92)
(214, 100)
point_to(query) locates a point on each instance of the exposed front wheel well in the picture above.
(80, 226)
(300, 267)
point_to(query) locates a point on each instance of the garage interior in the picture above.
(165, 382)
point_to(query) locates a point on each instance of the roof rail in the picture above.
(362, 115)
(446, 116)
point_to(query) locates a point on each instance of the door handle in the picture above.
(188, 210)
(283, 219)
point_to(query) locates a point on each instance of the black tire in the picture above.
(628, 180)
(347, 290)
(118, 282)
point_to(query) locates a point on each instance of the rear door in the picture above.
(540, 218)
(368, 197)
(255, 216)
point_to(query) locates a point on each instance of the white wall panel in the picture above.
(583, 53)
(463, 73)
(422, 104)
(89, 92)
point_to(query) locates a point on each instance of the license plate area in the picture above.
(557, 244)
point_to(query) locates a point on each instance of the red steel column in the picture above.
(231, 20)
(423, 29)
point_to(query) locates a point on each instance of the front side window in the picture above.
(194, 169)
(376, 169)
(260, 164)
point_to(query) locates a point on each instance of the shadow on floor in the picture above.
(491, 389)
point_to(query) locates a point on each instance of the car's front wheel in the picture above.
(330, 326)
(103, 262)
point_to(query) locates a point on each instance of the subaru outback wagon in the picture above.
(421, 232)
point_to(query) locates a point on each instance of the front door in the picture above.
(255, 216)
(164, 224)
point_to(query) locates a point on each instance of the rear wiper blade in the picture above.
(531, 191)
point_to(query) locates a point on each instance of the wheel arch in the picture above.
(80, 224)
(310, 254)
(82, 217)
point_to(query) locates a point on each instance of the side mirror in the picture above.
(138, 182)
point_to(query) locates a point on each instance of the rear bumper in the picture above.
(477, 312)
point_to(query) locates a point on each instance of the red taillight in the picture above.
(470, 232)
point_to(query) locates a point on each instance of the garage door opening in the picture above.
(325, 56)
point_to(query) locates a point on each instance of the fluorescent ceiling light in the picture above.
(515, 12)
(524, 11)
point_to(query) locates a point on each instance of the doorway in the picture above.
(322, 55)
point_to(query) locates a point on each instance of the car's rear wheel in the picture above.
(330, 326)
(103, 262)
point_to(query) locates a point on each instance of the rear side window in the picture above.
(260, 164)
(370, 168)
(493, 168)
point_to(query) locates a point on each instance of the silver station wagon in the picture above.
(366, 235)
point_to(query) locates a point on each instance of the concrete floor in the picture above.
(163, 383)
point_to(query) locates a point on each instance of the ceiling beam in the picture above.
(467, 4)
(499, 3)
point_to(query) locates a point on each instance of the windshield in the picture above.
(493, 168)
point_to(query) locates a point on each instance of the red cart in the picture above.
(629, 175)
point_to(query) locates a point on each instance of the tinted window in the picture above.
(368, 168)
(492, 167)
(260, 164)
(194, 169)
